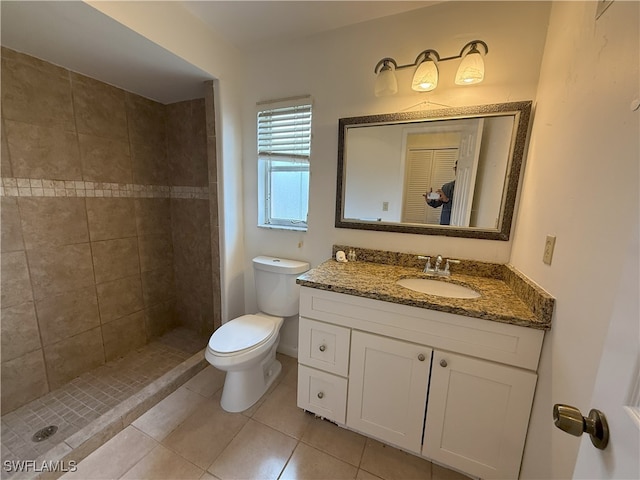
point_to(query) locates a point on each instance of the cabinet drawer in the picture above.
(324, 346)
(322, 393)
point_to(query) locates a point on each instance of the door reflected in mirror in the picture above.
(451, 172)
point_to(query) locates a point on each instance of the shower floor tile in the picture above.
(92, 394)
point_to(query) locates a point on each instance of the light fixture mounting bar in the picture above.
(425, 53)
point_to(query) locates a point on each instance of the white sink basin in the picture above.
(438, 288)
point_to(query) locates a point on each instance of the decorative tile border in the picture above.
(32, 187)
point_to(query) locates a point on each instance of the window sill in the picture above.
(285, 227)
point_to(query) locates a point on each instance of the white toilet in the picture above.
(245, 347)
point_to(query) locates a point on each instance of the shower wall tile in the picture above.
(42, 151)
(23, 379)
(149, 164)
(11, 240)
(53, 221)
(67, 314)
(124, 335)
(105, 159)
(213, 212)
(187, 143)
(56, 270)
(16, 284)
(19, 331)
(157, 286)
(153, 216)
(191, 232)
(146, 120)
(156, 251)
(36, 92)
(215, 279)
(89, 274)
(99, 108)
(119, 298)
(114, 259)
(110, 218)
(194, 300)
(5, 163)
(74, 355)
(160, 318)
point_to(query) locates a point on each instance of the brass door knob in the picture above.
(569, 419)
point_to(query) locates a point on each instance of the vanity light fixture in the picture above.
(425, 78)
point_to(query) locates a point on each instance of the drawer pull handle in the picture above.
(322, 348)
(421, 357)
(320, 395)
(443, 363)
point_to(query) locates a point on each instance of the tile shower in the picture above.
(109, 224)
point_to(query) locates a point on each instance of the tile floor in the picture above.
(90, 395)
(189, 436)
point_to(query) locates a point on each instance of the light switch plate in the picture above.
(549, 245)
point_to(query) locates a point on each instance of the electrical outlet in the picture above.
(385, 206)
(549, 245)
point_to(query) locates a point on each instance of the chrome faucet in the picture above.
(437, 270)
(438, 263)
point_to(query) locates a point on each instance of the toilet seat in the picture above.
(243, 333)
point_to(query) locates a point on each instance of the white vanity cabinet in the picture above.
(454, 389)
(477, 415)
(388, 389)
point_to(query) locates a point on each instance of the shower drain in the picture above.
(44, 433)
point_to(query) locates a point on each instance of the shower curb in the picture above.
(82, 443)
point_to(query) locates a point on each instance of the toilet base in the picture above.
(243, 388)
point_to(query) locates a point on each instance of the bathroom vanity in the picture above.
(449, 379)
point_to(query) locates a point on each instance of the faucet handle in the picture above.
(427, 266)
(446, 267)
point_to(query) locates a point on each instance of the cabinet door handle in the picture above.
(322, 348)
(421, 357)
(320, 395)
(443, 363)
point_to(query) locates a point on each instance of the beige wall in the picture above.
(581, 185)
(100, 190)
(336, 69)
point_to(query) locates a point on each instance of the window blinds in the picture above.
(285, 132)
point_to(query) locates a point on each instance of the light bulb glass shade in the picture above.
(426, 77)
(471, 69)
(386, 83)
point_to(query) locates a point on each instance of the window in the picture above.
(284, 147)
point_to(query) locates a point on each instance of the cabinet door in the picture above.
(477, 415)
(388, 389)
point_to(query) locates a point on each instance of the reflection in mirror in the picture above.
(448, 172)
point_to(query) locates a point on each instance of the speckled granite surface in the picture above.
(506, 295)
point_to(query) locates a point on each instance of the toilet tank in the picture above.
(276, 288)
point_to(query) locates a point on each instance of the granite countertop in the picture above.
(498, 301)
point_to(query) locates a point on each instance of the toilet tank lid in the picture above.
(280, 265)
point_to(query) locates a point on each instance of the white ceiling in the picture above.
(74, 35)
(251, 25)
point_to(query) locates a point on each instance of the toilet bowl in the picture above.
(245, 347)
